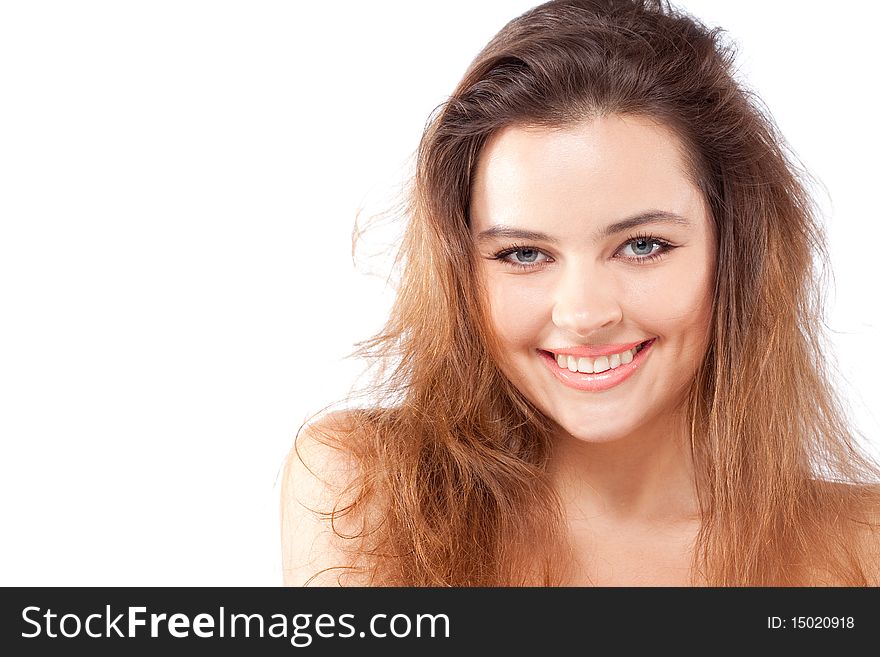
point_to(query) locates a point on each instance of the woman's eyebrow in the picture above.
(511, 232)
(653, 216)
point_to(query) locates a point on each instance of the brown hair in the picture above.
(452, 487)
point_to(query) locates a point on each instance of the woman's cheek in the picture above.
(676, 306)
(675, 294)
(519, 309)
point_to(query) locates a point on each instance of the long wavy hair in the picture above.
(452, 488)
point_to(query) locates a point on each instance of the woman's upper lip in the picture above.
(595, 350)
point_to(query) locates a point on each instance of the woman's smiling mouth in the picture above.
(594, 369)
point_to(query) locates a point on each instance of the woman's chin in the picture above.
(620, 426)
(593, 431)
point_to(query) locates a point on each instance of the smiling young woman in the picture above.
(599, 287)
(604, 364)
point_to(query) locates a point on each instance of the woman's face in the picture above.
(598, 256)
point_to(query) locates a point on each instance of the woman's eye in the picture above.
(522, 257)
(525, 256)
(642, 247)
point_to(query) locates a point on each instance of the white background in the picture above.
(178, 186)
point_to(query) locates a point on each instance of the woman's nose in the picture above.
(586, 302)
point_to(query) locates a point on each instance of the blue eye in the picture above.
(645, 248)
(528, 255)
(524, 257)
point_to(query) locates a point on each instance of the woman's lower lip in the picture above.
(596, 382)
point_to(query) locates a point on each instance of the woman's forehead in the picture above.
(592, 172)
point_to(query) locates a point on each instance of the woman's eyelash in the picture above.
(514, 248)
(665, 247)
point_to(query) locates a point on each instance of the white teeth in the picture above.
(596, 365)
(601, 364)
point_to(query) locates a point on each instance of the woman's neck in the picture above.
(641, 479)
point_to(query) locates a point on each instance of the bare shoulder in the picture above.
(863, 512)
(320, 476)
(870, 534)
